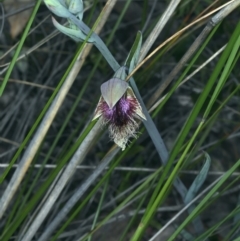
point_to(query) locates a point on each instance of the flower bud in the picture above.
(76, 8)
(67, 8)
(58, 7)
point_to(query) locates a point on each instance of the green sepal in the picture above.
(113, 90)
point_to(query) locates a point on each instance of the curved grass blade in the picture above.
(205, 200)
(199, 180)
(194, 188)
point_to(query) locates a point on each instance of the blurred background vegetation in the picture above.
(34, 79)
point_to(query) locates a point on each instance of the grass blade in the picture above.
(19, 47)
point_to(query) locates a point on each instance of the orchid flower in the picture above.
(119, 108)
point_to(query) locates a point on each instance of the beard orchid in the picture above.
(119, 108)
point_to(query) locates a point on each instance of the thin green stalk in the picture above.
(204, 201)
(210, 202)
(181, 137)
(233, 232)
(196, 56)
(85, 201)
(48, 231)
(40, 192)
(131, 196)
(35, 125)
(211, 230)
(99, 208)
(40, 134)
(90, 15)
(210, 121)
(36, 178)
(133, 219)
(19, 47)
(223, 78)
(157, 189)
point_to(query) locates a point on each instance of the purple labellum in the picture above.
(121, 116)
(113, 90)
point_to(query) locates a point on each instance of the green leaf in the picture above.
(199, 180)
(205, 200)
(76, 35)
(133, 56)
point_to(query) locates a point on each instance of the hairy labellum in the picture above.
(121, 116)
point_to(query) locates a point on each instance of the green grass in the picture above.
(211, 115)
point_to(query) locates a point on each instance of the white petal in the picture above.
(98, 112)
(139, 108)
